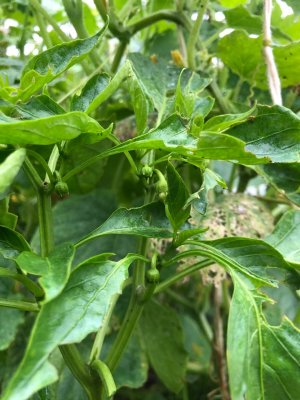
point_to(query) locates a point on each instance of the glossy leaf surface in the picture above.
(46, 66)
(147, 221)
(285, 237)
(263, 360)
(91, 90)
(48, 130)
(10, 167)
(54, 269)
(89, 291)
(177, 210)
(274, 133)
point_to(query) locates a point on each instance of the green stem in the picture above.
(106, 377)
(193, 38)
(43, 163)
(180, 275)
(139, 296)
(37, 6)
(223, 104)
(80, 371)
(28, 283)
(20, 305)
(43, 29)
(118, 56)
(172, 16)
(98, 342)
(45, 220)
(75, 14)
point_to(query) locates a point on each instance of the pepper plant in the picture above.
(150, 223)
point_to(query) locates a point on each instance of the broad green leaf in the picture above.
(46, 66)
(12, 243)
(241, 18)
(274, 133)
(7, 218)
(255, 259)
(10, 167)
(173, 136)
(39, 107)
(163, 339)
(48, 130)
(147, 221)
(78, 311)
(221, 123)
(78, 215)
(132, 369)
(146, 73)
(54, 269)
(196, 343)
(199, 199)
(249, 63)
(284, 177)
(263, 360)
(222, 146)
(90, 91)
(177, 210)
(285, 237)
(10, 320)
(189, 86)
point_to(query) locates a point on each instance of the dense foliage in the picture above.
(149, 197)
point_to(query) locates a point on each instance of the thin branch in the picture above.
(272, 72)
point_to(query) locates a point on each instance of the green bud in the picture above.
(147, 171)
(153, 275)
(61, 188)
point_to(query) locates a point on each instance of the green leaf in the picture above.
(241, 18)
(91, 90)
(78, 311)
(274, 133)
(232, 3)
(147, 221)
(176, 199)
(39, 107)
(222, 123)
(285, 237)
(263, 360)
(11, 243)
(284, 177)
(132, 370)
(10, 320)
(49, 130)
(7, 218)
(54, 269)
(46, 66)
(199, 199)
(249, 63)
(255, 259)
(10, 167)
(146, 73)
(189, 86)
(163, 338)
(196, 343)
